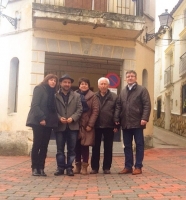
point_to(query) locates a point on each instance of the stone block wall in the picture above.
(160, 122)
(14, 144)
(178, 124)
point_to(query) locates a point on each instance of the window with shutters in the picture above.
(183, 99)
(13, 85)
(123, 6)
(100, 5)
(145, 78)
(158, 108)
(126, 7)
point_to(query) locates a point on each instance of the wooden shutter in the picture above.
(84, 4)
(100, 5)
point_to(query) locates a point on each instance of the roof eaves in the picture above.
(176, 7)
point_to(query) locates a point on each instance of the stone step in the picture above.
(117, 149)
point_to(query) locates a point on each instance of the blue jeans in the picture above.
(128, 135)
(69, 137)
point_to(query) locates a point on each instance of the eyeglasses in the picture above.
(132, 76)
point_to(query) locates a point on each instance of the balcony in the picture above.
(168, 76)
(108, 18)
(115, 6)
(182, 69)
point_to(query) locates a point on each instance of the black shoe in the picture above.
(70, 172)
(59, 172)
(106, 171)
(35, 172)
(94, 171)
(42, 173)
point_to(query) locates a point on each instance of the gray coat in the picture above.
(132, 107)
(39, 110)
(73, 109)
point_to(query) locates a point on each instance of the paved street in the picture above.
(164, 177)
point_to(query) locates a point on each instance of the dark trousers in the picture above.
(63, 137)
(41, 137)
(128, 135)
(108, 136)
(82, 152)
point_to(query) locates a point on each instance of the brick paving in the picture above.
(164, 177)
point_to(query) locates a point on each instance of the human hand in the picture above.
(43, 123)
(88, 128)
(69, 120)
(115, 130)
(143, 122)
(63, 120)
(117, 123)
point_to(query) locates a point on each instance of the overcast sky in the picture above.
(161, 5)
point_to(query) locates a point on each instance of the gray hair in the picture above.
(103, 78)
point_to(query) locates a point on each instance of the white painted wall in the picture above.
(163, 51)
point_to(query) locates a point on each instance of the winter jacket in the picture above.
(72, 110)
(107, 109)
(39, 110)
(88, 119)
(133, 106)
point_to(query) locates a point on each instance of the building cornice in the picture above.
(170, 48)
(183, 34)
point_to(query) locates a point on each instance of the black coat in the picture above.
(39, 110)
(132, 107)
(107, 110)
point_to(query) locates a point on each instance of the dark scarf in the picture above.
(83, 100)
(50, 102)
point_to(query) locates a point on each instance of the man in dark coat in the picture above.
(104, 126)
(132, 112)
(69, 109)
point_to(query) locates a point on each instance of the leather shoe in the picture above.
(137, 171)
(59, 172)
(35, 172)
(94, 171)
(70, 172)
(42, 173)
(106, 171)
(125, 171)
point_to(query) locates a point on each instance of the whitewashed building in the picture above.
(170, 74)
(89, 38)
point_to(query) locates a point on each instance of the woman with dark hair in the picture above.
(86, 132)
(42, 117)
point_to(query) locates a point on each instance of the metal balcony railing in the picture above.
(127, 7)
(182, 69)
(168, 76)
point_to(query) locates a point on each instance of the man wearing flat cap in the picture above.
(69, 109)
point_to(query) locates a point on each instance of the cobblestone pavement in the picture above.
(164, 177)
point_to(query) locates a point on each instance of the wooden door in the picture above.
(100, 5)
(84, 4)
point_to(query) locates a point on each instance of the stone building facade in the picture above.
(87, 38)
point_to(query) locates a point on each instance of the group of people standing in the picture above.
(82, 118)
